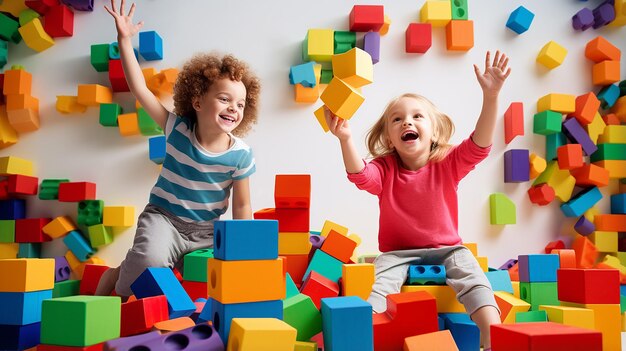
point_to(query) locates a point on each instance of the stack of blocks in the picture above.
(20, 113)
(451, 15)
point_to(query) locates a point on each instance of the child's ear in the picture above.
(195, 102)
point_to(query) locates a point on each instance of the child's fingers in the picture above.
(487, 59)
(132, 10)
(109, 11)
(496, 59)
(503, 58)
(122, 7)
(113, 7)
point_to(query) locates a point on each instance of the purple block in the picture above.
(508, 264)
(129, 342)
(603, 15)
(584, 226)
(583, 19)
(576, 134)
(61, 269)
(201, 337)
(316, 241)
(371, 44)
(80, 5)
(516, 166)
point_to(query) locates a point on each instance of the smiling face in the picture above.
(410, 129)
(221, 108)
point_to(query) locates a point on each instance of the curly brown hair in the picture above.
(201, 71)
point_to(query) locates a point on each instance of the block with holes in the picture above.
(292, 191)
(427, 274)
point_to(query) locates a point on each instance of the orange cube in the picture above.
(606, 72)
(460, 35)
(600, 49)
(17, 81)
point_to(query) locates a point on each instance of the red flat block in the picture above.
(195, 290)
(22, 185)
(513, 121)
(543, 336)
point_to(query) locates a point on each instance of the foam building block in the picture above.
(325, 265)
(599, 49)
(437, 13)
(156, 281)
(303, 74)
(117, 77)
(91, 277)
(99, 235)
(459, 10)
(35, 37)
(510, 306)
(603, 15)
(19, 337)
(316, 286)
(560, 180)
(365, 18)
(150, 46)
(605, 72)
(588, 286)
(300, 312)
(196, 338)
(330, 225)
(99, 57)
(12, 209)
(246, 240)
(460, 35)
(261, 334)
(513, 121)
(570, 156)
(418, 37)
(582, 202)
(49, 188)
(140, 315)
(609, 97)
(500, 280)
(541, 194)
(344, 41)
(118, 216)
(195, 265)
(563, 103)
(584, 226)
(347, 323)
(547, 122)
(427, 274)
(175, 324)
(94, 94)
(440, 340)
(357, 280)
(552, 55)
(79, 246)
(464, 331)
(20, 308)
(516, 166)
(227, 283)
(583, 19)
(339, 246)
(80, 5)
(371, 45)
(26, 275)
(292, 191)
(543, 336)
(587, 106)
(7, 231)
(538, 293)
(538, 267)
(572, 316)
(318, 45)
(342, 99)
(127, 343)
(520, 20)
(531, 316)
(354, 67)
(69, 105)
(59, 21)
(156, 147)
(575, 132)
(501, 209)
(294, 243)
(61, 269)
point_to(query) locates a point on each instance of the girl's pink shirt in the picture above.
(419, 209)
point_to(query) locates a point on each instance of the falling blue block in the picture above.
(150, 46)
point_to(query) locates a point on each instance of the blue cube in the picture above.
(519, 21)
(538, 267)
(347, 323)
(303, 74)
(156, 149)
(151, 46)
(156, 281)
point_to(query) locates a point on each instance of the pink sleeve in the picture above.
(464, 157)
(370, 178)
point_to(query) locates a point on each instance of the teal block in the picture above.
(78, 245)
(29, 250)
(195, 265)
(553, 142)
(582, 202)
(291, 288)
(500, 280)
(608, 95)
(7, 231)
(519, 20)
(325, 265)
(303, 74)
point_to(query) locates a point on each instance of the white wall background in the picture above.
(288, 139)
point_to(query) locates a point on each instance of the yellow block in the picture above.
(59, 227)
(607, 320)
(537, 165)
(473, 247)
(305, 346)
(516, 289)
(8, 135)
(437, 13)
(595, 128)
(552, 55)
(342, 99)
(330, 225)
(564, 103)
(293, 243)
(357, 239)
(128, 124)
(319, 45)
(613, 134)
(321, 118)
(620, 14)
(357, 279)
(385, 28)
(354, 67)
(14, 7)
(483, 262)
(15, 165)
(616, 168)
(509, 305)
(614, 262)
(35, 37)
(559, 179)
(261, 334)
(118, 216)
(94, 94)
(604, 241)
(446, 297)
(245, 281)
(573, 316)
(26, 274)
(69, 104)
(9, 250)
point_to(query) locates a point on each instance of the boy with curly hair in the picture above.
(215, 100)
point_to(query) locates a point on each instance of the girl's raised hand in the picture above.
(124, 23)
(495, 74)
(339, 127)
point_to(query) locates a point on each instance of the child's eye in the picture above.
(396, 119)
(222, 99)
(419, 115)
(241, 106)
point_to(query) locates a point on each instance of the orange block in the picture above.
(437, 341)
(245, 281)
(306, 94)
(128, 124)
(8, 135)
(610, 222)
(590, 174)
(172, 325)
(94, 94)
(567, 257)
(619, 108)
(24, 275)
(292, 191)
(460, 35)
(339, 246)
(586, 252)
(606, 72)
(586, 108)
(600, 49)
(26, 120)
(611, 119)
(21, 101)
(59, 227)
(296, 266)
(17, 81)
(570, 156)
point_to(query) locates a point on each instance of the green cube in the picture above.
(49, 188)
(80, 320)
(344, 41)
(100, 57)
(90, 212)
(109, 114)
(539, 293)
(327, 76)
(300, 312)
(147, 126)
(547, 122)
(195, 265)
(531, 316)
(99, 235)
(66, 288)
(7, 231)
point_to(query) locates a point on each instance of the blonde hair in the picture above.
(443, 128)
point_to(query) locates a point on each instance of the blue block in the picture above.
(326, 265)
(622, 290)
(78, 245)
(156, 149)
(553, 142)
(19, 337)
(519, 21)
(618, 203)
(583, 201)
(516, 166)
(464, 331)
(500, 280)
(29, 250)
(13, 209)
(303, 74)
(427, 274)
(156, 281)
(20, 308)
(347, 323)
(608, 96)
(150, 46)
(236, 240)
(538, 268)
(222, 314)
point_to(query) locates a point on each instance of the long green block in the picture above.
(7, 231)
(90, 212)
(8, 29)
(609, 152)
(66, 288)
(49, 188)
(531, 316)
(501, 209)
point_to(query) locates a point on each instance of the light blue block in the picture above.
(326, 265)
(427, 274)
(347, 324)
(150, 46)
(500, 280)
(303, 74)
(608, 96)
(20, 308)
(156, 149)
(236, 240)
(618, 203)
(464, 331)
(78, 245)
(583, 201)
(519, 21)
(538, 267)
(156, 281)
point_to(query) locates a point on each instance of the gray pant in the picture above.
(161, 240)
(463, 274)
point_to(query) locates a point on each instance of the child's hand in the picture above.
(338, 126)
(124, 24)
(495, 74)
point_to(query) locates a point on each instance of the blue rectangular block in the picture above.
(13, 209)
(156, 281)
(427, 274)
(618, 203)
(538, 268)
(78, 245)
(237, 240)
(151, 46)
(500, 280)
(347, 323)
(583, 201)
(156, 149)
(20, 308)
(19, 337)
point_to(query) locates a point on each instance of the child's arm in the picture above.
(137, 83)
(491, 82)
(241, 199)
(339, 127)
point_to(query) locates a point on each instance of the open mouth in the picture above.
(228, 118)
(409, 135)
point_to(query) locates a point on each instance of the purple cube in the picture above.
(516, 166)
(603, 15)
(583, 19)
(61, 269)
(371, 44)
(584, 226)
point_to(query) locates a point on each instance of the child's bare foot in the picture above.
(107, 282)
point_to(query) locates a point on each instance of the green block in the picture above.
(99, 235)
(459, 9)
(622, 304)
(27, 16)
(8, 29)
(547, 122)
(501, 209)
(300, 312)
(66, 288)
(609, 152)
(80, 320)
(90, 212)
(100, 57)
(109, 114)
(531, 316)
(147, 126)
(291, 288)
(544, 293)
(195, 265)
(553, 142)
(49, 188)
(327, 76)
(7, 231)
(545, 176)
(344, 41)
(29, 250)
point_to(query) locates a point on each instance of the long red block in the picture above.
(513, 121)
(77, 191)
(543, 336)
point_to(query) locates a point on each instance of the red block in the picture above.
(554, 245)
(296, 266)
(295, 220)
(339, 246)
(317, 287)
(365, 18)
(570, 156)
(610, 222)
(22, 185)
(195, 290)
(96, 347)
(41, 6)
(292, 191)
(59, 21)
(598, 286)
(419, 37)
(77, 191)
(28, 230)
(91, 277)
(407, 314)
(513, 121)
(541, 194)
(543, 336)
(4, 189)
(586, 108)
(139, 316)
(117, 77)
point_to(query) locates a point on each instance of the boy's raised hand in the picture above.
(495, 74)
(339, 127)
(124, 23)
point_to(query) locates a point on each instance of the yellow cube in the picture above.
(330, 225)
(552, 55)
(118, 216)
(321, 118)
(15, 165)
(35, 37)
(573, 316)
(319, 45)
(354, 67)
(26, 274)
(483, 262)
(261, 334)
(473, 247)
(563, 103)
(128, 124)
(437, 13)
(342, 99)
(8, 134)
(357, 279)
